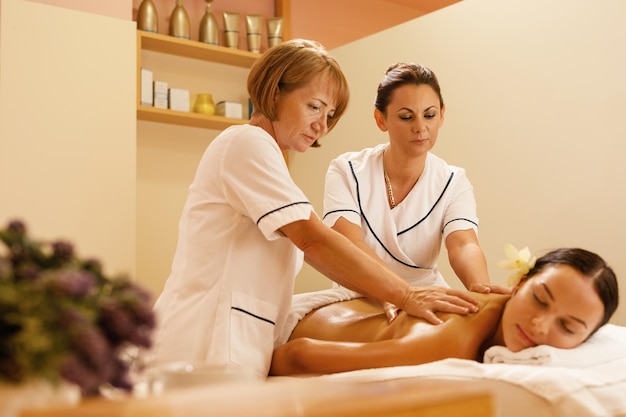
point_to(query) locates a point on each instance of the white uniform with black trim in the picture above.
(232, 277)
(408, 238)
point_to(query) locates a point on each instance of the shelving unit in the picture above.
(194, 49)
(189, 49)
(190, 119)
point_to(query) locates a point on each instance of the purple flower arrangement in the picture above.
(62, 319)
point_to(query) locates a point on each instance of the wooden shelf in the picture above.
(193, 49)
(148, 41)
(152, 114)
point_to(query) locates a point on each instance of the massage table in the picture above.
(588, 381)
(290, 397)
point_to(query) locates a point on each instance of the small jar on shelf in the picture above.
(204, 104)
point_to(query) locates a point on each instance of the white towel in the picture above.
(606, 345)
(304, 303)
(592, 392)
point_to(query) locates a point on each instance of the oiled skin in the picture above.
(355, 334)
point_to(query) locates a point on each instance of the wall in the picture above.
(67, 128)
(535, 95)
(79, 166)
(111, 8)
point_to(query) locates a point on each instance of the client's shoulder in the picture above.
(490, 308)
(491, 299)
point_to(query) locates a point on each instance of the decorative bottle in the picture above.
(209, 32)
(179, 21)
(204, 104)
(147, 18)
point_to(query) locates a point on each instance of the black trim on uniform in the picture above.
(433, 207)
(280, 208)
(253, 315)
(340, 211)
(358, 194)
(459, 219)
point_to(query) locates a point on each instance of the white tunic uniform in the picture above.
(232, 277)
(408, 238)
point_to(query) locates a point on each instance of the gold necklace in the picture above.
(391, 200)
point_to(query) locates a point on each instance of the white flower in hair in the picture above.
(519, 261)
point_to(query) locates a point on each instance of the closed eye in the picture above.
(539, 300)
(565, 327)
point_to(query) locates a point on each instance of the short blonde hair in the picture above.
(291, 65)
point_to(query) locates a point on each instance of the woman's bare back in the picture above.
(361, 320)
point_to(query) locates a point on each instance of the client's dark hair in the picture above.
(591, 265)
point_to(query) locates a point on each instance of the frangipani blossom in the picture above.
(519, 261)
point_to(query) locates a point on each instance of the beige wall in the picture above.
(67, 128)
(536, 97)
(534, 90)
(113, 8)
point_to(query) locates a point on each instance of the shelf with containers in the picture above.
(147, 41)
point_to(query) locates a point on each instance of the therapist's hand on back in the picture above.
(489, 289)
(425, 302)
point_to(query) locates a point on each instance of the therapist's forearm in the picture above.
(348, 265)
(335, 256)
(470, 265)
(355, 234)
(339, 259)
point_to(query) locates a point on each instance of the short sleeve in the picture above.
(256, 182)
(340, 193)
(460, 213)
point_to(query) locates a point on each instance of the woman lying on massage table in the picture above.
(562, 300)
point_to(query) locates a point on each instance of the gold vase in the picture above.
(147, 18)
(204, 104)
(179, 21)
(209, 32)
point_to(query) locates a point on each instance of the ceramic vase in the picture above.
(209, 32)
(204, 104)
(147, 18)
(179, 21)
